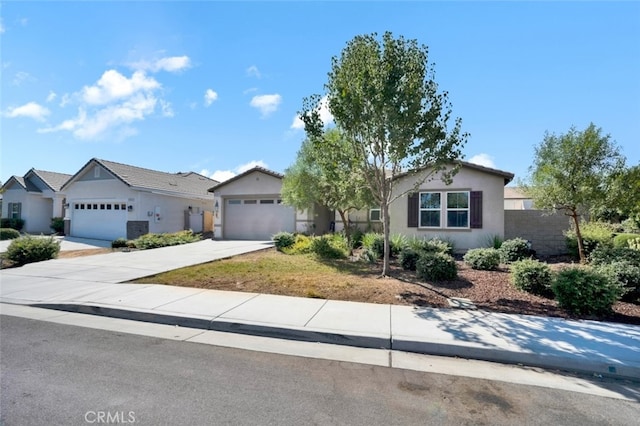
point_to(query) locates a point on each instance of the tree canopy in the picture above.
(324, 173)
(383, 96)
(571, 172)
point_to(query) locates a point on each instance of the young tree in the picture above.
(384, 97)
(324, 173)
(570, 173)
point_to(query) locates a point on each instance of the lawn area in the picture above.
(272, 272)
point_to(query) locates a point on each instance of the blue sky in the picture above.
(214, 87)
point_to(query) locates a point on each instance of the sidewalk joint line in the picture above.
(314, 315)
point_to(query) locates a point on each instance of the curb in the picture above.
(553, 362)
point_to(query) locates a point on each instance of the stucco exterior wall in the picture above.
(171, 210)
(36, 211)
(467, 179)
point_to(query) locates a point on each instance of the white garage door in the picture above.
(98, 219)
(257, 219)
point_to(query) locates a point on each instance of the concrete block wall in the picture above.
(545, 231)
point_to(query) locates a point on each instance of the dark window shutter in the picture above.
(476, 209)
(412, 210)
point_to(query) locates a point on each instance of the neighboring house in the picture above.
(249, 207)
(35, 198)
(515, 199)
(469, 212)
(108, 200)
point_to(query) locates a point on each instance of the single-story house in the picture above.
(108, 200)
(249, 207)
(35, 198)
(468, 212)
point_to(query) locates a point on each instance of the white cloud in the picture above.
(169, 64)
(52, 95)
(31, 110)
(483, 160)
(209, 97)
(2, 27)
(222, 175)
(21, 77)
(113, 86)
(65, 100)
(167, 110)
(325, 115)
(267, 104)
(253, 71)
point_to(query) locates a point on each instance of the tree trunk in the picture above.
(581, 254)
(345, 223)
(384, 210)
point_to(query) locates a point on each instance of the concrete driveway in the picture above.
(68, 243)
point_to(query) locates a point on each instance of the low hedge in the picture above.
(30, 249)
(8, 234)
(485, 259)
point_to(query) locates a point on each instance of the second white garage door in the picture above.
(257, 219)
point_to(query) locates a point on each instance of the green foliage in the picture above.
(355, 238)
(515, 249)
(603, 255)
(383, 96)
(594, 234)
(434, 245)
(532, 276)
(396, 243)
(8, 234)
(571, 173)
(436, 267)
(283, 240)
(150, 241)
(368, 256)
(622, 240)
(630, 226)
(373, 242)
(626, 274)
(583, 291)
(119, 243)
(493, 241)
(486, 259)
(57, 224)
(408, 258)
(16, 224)
(301, 245)
(634, 244)
(32, 249)
(330, 246)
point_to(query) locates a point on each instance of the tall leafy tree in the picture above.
(623, 199)
(324, 173)
(571, 172)
(383, 95)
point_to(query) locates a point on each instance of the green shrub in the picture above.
(283, 240)
(630, 226)
(330, 246)
(301, 245)
(373, 242)
(436, 267)
(57, 224)
(368, 255)
(485, 259)
(622, 240)
(634, 244)
(408, 258)
(606, 255)
(493, 241)
(150, 241)
(433, 245)
(119, 243)
(16, 224)
(594, 234)
(32, 249)
(355, 238)
(397, 242)
(626, 275)
(583, 291)
(8, 234)
(532, 276)
(515, 249)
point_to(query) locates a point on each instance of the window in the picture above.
(102, 207)
(14, 210)
(251, 201)
(429, 206)
(266, 201)
(116, 206)
(455, 210)
(374, 215)
(233, 202)
(108, 206)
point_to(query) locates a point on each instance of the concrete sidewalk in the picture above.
(91, 285)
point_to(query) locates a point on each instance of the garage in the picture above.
(257, 218)
(99, 219)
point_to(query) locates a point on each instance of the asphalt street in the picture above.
(61, 374)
